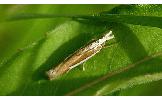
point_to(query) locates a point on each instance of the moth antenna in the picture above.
(109, 35)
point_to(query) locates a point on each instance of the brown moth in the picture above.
(79, 57)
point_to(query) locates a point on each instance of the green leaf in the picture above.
(144, 18)
(133, 61)
(153, 21)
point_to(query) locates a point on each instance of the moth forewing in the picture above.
(79, 57)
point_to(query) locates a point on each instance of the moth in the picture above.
(79, 57)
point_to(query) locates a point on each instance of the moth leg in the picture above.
(68, 70)
(83, 68)
(110, 45)
(93, 40)
(20, 49)
(107, 46)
